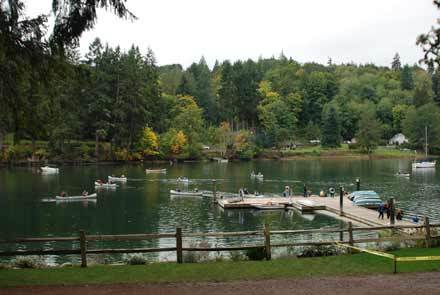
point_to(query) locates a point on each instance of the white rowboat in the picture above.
(118, 179)
(156, 170)
(105, 185)
(188, 193)
(49, 170)
(92, 196)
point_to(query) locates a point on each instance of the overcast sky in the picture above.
(181, 31)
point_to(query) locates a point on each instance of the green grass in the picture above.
(357, 264)
(344, 151)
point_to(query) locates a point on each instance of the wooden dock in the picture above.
(357, 214)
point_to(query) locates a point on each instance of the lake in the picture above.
(143, 204)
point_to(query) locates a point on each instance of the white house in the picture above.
(398, 139)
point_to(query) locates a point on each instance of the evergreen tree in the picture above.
(331, 127)
(406, 78)
(436, 86)
(396, 65)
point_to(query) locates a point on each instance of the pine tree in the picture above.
(406, 79)
(331, 127)
(396, 65)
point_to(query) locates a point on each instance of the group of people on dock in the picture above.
(386, 208)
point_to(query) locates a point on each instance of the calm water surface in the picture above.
(143, 204)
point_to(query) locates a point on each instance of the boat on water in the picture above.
(105, 185)
(268, 206)
(402, 174)
(71, 198)
(183, 179)
(49, 170)
(424, 163)
(186, 193)
(258, 176)
(354, 194)
(223, 161)
(117, 179)
(156, 170)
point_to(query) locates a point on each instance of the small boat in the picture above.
(371, 203)
(223, 160)
(156, 170)
(85, 197)
(105, 184)
(183, 179)
(268, 206)
(354, 194)
(49, 170)
(117, 179)
(186, 193)
(258, 176)
(424, 163)
(307, 203)
(402, 174)
(368, 199)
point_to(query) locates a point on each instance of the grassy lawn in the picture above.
(344, 151)
(358, 264)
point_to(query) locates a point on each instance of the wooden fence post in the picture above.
(267, 241)
(427, 233)
(341, 201)
(83, 247)
(179, 252)
(305, 191)
(394, 265)
(350, 236)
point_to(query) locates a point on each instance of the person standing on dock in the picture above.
(381, 210)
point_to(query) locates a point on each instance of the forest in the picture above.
(114, 104)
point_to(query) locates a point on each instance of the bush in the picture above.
(196, 256)
(135, 259)
(318, 251)
(256, 253)
(237, 256)
(28, 262)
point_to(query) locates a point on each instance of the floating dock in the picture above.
(315, 204)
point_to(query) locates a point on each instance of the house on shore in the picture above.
(398, 139)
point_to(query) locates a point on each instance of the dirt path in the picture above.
(419, 283)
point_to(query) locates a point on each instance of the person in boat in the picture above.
(63, 194)
(415, 219)
(245, 191)
(178, 190)
(99, 181)
(85, 193)
(196, 190)
(122, 176)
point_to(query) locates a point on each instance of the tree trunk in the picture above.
(96, 146)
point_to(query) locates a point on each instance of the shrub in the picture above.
(318, 251)
(237, 256)
(255, 253)
(28, 262)
(196, 256)
(136, 259)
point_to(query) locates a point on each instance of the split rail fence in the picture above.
(406, 232)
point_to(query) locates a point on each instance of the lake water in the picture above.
(143, 204)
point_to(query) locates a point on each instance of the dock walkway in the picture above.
(316, 204)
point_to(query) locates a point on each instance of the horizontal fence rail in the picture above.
(407, 232)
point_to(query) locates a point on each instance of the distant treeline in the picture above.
(132, 109)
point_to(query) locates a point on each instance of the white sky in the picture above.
(181, 31)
